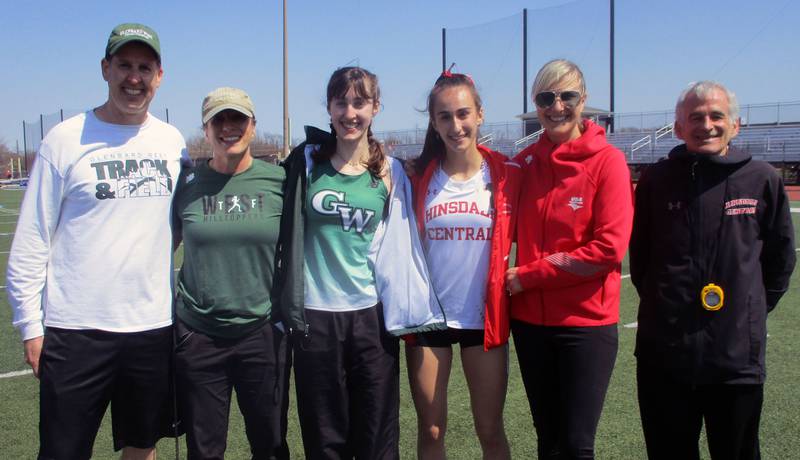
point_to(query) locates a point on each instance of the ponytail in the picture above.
(434, 148)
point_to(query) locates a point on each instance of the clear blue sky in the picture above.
(51, 52)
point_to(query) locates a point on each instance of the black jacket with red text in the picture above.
(703, 219)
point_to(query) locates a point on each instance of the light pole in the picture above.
(285, 88)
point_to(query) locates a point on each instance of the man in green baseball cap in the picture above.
(90, 265)
(132, 32)
(132, 68)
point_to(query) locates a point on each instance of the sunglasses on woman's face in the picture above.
(231, 116)
(546, 99)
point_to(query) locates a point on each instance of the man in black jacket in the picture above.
(711, 253)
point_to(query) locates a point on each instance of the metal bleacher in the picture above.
(409, 151)
(773, 143)
(644, 146)
(770, 132)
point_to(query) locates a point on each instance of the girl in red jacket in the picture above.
(464, 196)
(574, 222)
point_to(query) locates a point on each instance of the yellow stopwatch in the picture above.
(712, 297)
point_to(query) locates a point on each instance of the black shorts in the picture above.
(445, 339)
(82, 371)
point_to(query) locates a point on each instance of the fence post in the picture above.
(25, 144)
(524, 60)
(444, 49)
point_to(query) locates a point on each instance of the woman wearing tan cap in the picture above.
(227, 211)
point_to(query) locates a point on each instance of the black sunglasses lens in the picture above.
(570, 97)
(232, 116)
(545, 99)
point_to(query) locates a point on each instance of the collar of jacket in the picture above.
(493, 160)
(315, 135)
(591, 141)
(733, 157)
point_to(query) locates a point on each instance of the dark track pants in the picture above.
(673, 413)
(257, 367)
(348, 388)
(566, 371)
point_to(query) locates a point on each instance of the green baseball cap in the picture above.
(132, 32)
(227, 98)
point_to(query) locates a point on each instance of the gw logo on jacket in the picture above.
(331, 202)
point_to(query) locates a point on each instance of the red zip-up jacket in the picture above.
(505, 175)
(573, 227)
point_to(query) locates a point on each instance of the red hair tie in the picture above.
(449, 74)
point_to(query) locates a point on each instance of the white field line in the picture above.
(8, 375)
(795, 210)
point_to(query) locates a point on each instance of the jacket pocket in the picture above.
(756, 312)
(182, 334)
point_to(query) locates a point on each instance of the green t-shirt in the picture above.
(230, 226)
(342, 214)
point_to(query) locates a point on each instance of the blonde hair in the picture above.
(556, 71)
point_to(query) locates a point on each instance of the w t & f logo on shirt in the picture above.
(331, 202)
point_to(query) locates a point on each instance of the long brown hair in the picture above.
(434, 147)
(365, 85)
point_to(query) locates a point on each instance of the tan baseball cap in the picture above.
(227, 98)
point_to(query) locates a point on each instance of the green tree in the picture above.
(6, 156)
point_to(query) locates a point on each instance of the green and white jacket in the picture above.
(401, 274)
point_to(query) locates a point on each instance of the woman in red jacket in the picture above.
(464, 195)
(574, 222)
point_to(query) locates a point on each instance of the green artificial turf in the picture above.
(619, 434)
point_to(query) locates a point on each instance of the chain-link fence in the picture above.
(510, 130)
(775, 113)
(34, 131)
(503, 56)
(782, 119)
(407, 143)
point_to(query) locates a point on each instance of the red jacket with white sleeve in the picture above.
(505, 175)
(574, 221)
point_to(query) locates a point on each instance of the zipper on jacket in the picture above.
(699, 247)
(494, 243)
(544, 226)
